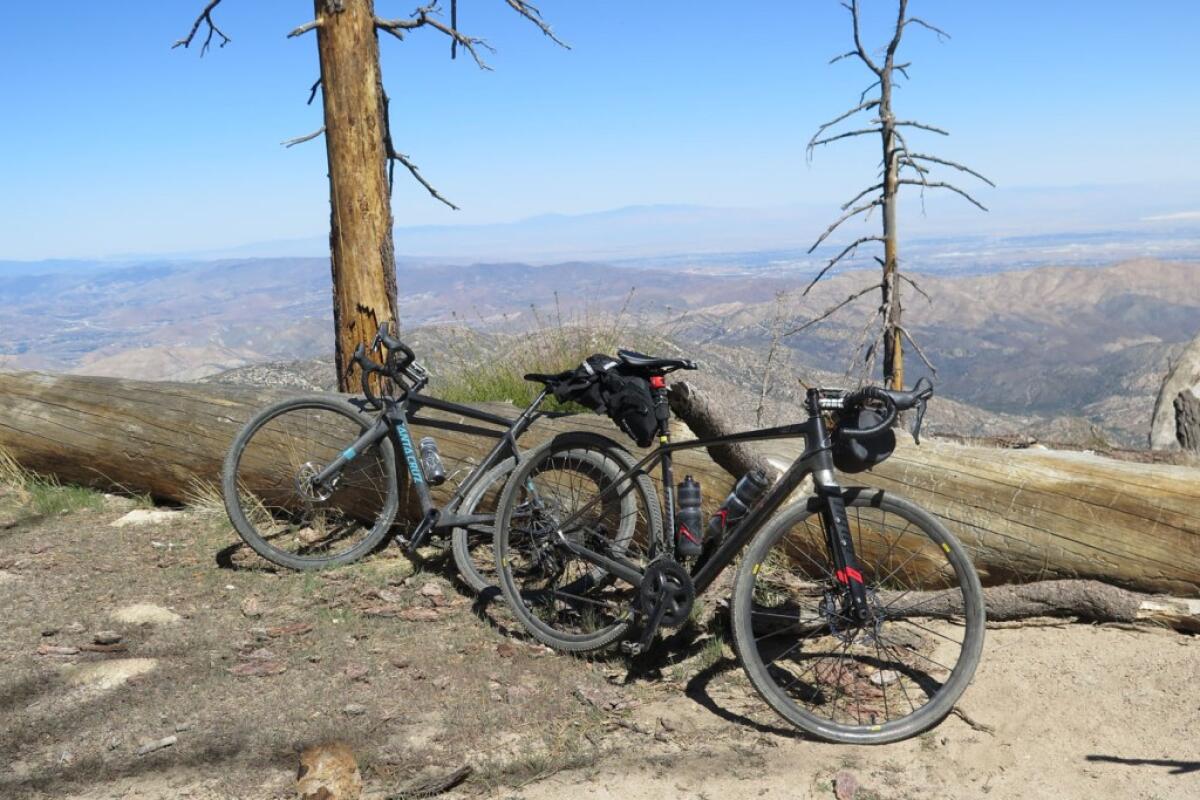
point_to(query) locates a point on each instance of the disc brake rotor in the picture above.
(307, 486)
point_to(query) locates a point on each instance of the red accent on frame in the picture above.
(840, 575)
(691, 536)
(658, 382)
(854, 575)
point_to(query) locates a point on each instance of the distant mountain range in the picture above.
(1077, 351)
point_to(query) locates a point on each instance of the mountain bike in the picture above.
(314, 482)
(856, 615)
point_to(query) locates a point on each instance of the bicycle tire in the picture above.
(640, 516)
(904, 657)
(380, 456)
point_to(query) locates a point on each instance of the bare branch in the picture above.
(305, 28)
(895, 42)
(941, 34)
(312, 92)
(424, 16)
(846, 135)
(305, 138)
(860, 195)
(416, 173)
(852, 7)
(847, 54)
(847, 250)
(903, 70)
(843, 218)
(911, 124)
(917, 347)
(833, 309)
(944, 185)
(913, 284)
(948, 163)
(870, 86)
(204, 18)
(860, 107)
(531, 13)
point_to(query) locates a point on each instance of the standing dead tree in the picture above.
(361, 150)
(901, 166)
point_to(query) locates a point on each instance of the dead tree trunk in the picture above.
(1187, 420)
(360, 230)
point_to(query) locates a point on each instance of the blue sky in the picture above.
(115, 143)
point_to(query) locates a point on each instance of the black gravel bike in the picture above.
(856, 615)
(313, 482)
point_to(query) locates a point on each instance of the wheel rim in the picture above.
(830, 670)
(561, 593)
(282, 507)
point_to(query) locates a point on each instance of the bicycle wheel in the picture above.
(473, 552)
(277, 513)
(574, 487)
(887, 679)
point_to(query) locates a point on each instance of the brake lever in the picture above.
(916, 430)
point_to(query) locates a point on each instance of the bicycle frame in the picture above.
(394, 421)
(816, 459)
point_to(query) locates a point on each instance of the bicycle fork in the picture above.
(841, 546)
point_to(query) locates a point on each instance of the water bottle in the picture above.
(689, 520)
(745, 494)
(431, 462)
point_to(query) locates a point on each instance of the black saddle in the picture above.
(643, 362)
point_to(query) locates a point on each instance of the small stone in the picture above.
(885, 677)
(400, 663)
(57, 650)
(354, 709)
(146, 516)
(441, 682)
(106, 637)
(251, 607)
(328, 772)
(144, 613)
(845, 785)
(49, 631)
(431, 590)
(74, 627)
(180, 727)
(157, 744)
(418, 614)
(357, 672)
(506, 650)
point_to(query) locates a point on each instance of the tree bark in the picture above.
(360, 235)
(1187, 420)
(1024, 515)
(1090, 601)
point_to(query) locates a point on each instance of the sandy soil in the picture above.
(245, 666)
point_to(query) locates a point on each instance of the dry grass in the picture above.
(27, 493)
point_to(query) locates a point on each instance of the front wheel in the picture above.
(269, 494)
(887, 678)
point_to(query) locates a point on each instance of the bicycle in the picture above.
(856, 615)
(313, 482)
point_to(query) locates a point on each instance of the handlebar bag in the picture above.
(857, 455)
(602, 384)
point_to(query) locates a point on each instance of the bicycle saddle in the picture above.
(636, 360)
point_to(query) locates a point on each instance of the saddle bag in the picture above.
(606, 386)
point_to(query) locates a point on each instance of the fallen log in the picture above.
(1025, 515)
(169, 439)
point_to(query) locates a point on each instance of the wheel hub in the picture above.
(307, 486)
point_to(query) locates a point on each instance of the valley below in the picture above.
(1071, 355)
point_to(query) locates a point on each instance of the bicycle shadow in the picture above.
(697, 690)
(1177, 767)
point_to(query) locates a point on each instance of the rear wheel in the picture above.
(573, 490)
(473, 552)
(272, 503)
(882, 680)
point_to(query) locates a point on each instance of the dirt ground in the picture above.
(245, 666)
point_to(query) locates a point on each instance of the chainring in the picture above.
(668, 580)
